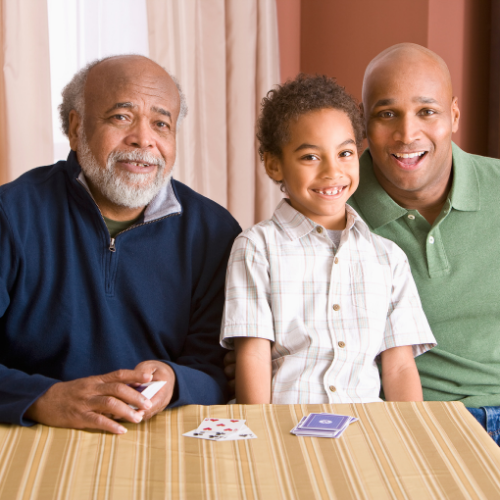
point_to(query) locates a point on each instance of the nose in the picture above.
(331, 168)
(407, 129)
(140, 135)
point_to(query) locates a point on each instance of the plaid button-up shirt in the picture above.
(329, 313)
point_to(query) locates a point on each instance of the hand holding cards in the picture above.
(149, 390)
(323, 425)
(222, 429)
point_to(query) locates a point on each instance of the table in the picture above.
(418, 451)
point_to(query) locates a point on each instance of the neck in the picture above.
(428, 201)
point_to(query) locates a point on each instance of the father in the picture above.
(441, 206)
(111, 273)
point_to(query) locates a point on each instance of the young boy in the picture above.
(313, 299)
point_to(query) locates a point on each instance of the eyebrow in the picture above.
(312, 146)
(420, 99)
(130, 105)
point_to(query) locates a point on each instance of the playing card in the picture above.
(322, 425)
(217, 429)
(149, 390)
(324, 422)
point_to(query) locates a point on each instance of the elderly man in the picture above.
(440, 205)
(111, 273)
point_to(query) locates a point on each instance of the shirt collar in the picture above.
(163, 204)
(296, 225)
(378, 208)
(465, 193)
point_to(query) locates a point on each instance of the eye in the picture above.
(163, 125)
(120, 117)
(427, 112)
(386, 114)
(310, 157)
(346, 154)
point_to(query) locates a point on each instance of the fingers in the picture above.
(127, 377)
(230, 358)
(158, 371)
(230, 371)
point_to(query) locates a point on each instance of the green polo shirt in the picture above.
(456, 265)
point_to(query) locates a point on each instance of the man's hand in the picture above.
(158, 371)
(92, 402)
(230, 370)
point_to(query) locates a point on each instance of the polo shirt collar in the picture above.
(464, 195)
(296, 225)
(379, 209)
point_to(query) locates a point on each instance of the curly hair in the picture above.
(299, 96)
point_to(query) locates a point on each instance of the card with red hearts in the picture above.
(221, 429)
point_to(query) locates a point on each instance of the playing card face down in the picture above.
(222, 429)
(326, 425)
(324, 422)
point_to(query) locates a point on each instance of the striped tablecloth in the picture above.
(396, 451)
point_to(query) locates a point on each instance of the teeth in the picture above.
(331, 192)
(408, 155)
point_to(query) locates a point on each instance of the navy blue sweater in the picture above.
(71, 308)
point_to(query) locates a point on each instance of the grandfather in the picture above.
(441, 206)
(111, 273)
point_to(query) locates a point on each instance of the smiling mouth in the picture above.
(333, 191)
(144, 165)
(409, 159)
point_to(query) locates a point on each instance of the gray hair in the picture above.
(73, 95)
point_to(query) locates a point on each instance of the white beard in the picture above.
(125, 189)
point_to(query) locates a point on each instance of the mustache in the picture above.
(137, 157)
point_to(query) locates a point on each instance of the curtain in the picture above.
(226, 57)
(25, 114)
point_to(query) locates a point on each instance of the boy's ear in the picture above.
(272, 165)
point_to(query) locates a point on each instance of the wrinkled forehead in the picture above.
(130, 80)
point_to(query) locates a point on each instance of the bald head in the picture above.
(401, 62)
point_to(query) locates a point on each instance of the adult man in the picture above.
(440, 205)
(111, 273)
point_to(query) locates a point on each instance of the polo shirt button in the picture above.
(319, 230)
(332, 388)
(411, 217)
(336, 307)
(336, 260)
(341, 344)
(431, 240)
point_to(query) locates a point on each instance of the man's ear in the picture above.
(75, 123)
(273, 167)
(455, 114)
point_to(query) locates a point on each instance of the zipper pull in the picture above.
(112, 247)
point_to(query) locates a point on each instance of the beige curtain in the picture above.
(226, 57)
(25, 113)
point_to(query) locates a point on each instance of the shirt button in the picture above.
(332, 388)
(431, 240)
(341, 344)
(336, 260)
(336, 307)
(411, 217)
(319, 230)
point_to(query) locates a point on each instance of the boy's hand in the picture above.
(230, 370)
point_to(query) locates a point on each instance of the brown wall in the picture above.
(340, 37)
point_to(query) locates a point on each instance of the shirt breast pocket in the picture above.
(371, 289)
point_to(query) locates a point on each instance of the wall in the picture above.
(339, 38)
